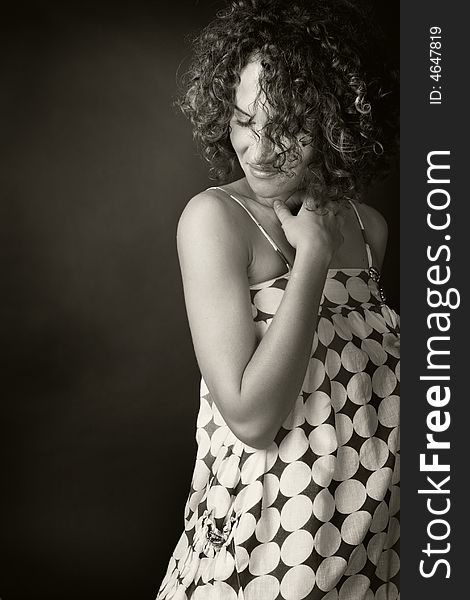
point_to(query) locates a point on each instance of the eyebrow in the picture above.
(243, 112)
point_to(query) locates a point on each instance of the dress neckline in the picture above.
(353, 271)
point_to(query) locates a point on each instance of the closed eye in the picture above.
(242, 119)
(247, 123)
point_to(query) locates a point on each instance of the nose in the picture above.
(263, 150)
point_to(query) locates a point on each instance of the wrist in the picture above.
(309, 255)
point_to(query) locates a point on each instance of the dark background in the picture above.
(99, 385)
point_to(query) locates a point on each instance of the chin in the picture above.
(272, 187)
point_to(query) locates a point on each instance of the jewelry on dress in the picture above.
(375, 276)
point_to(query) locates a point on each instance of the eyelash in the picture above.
(243, 123)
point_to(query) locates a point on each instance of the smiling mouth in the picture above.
(263, 170)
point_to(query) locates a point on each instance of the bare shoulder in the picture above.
(374, 219)
(376, 228)
(208, 223)
(206, 210)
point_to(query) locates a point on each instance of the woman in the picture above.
(294, 493)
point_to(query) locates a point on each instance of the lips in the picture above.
(263, 170)
(262, 167)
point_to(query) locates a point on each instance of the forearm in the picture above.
(273, 377)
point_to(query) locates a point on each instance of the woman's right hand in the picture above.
(311, 231)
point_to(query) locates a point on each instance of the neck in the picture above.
(291, 199)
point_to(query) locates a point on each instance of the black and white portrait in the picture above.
(202, 338)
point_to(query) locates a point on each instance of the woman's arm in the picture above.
(253, 385)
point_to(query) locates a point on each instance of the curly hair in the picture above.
(323, 78)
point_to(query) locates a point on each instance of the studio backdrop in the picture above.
(100, 384)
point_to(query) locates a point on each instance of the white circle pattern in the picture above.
(312, 514)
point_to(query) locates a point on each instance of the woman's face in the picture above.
(255, 152)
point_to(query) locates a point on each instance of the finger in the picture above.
(281, 210)
(310, 204)
(313, 205)
(333, 208)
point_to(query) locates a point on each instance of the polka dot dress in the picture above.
(315, 515)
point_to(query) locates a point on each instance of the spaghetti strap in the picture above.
(260, 227)
(361, 224)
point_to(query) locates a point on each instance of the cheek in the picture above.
(307, 155)
(240, 139)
